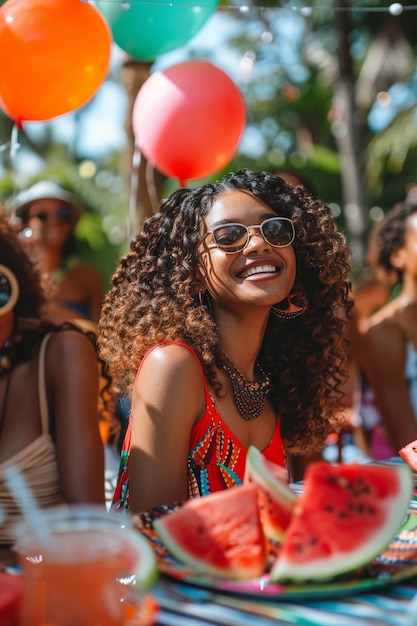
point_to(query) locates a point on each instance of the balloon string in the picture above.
(14, 143)
(151, 187)
(134, 186)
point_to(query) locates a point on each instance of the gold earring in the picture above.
(9, 290)
(205, 302)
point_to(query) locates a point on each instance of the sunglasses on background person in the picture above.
(63, 214)
(9, 290)
(232, 238)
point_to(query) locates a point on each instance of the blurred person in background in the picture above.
(49, 384)
(370, 292)
(387, 350)
(295, 178)
(48, 215)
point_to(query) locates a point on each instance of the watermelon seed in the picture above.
(343, 482)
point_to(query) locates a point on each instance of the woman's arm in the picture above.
(383, 358)
(72, 383)
(168, 397)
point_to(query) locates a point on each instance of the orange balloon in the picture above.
(55, 55)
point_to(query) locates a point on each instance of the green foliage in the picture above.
(97, 243)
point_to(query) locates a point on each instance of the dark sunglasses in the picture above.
(232, 238)
(9, 290)
(62, 215)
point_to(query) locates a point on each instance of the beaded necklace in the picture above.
(249, 396)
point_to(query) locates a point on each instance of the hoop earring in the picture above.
(205, 303)
(290, 312)
(9, 290)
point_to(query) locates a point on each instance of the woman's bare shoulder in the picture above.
(384, 344)
(386, 313)
(171, 356)
(171, 376)
(67, 343)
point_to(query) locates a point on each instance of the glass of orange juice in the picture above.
(75, 572)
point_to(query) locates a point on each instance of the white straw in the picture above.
(27, 503)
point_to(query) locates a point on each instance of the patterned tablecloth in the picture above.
(183, 605)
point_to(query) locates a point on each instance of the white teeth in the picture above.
(259, 269)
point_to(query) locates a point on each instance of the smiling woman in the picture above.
(224, 326)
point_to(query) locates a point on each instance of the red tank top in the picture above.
(216, 458)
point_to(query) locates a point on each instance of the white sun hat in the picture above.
(45, 190)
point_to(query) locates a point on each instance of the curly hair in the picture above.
(389, 236)
(29, 325)
(154, 299)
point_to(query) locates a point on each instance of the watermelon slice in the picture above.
(11, 589)
(276, 500)
(346, 516)
(219, 534)
(409, 454)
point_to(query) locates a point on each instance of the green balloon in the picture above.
(147, 30)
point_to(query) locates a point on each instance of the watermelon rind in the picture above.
(279, 494)
(360, 553)
(146, 572)
(258, 470)
(217, 535)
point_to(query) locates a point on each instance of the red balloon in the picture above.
(55, 54)
(188, 119)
